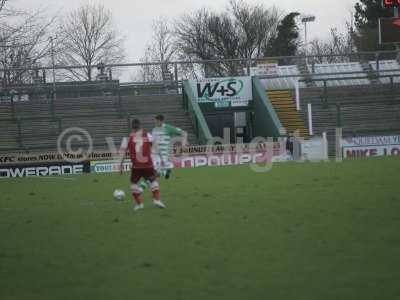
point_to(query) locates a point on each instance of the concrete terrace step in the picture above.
(284, 104)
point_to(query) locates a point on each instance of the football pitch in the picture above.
(301, 231)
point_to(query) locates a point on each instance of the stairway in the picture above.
(284, 106)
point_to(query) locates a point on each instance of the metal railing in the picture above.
(376, 75)
(187, 69)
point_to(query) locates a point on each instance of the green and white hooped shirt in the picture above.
(162, 138)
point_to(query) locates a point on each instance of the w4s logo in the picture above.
(225, 88)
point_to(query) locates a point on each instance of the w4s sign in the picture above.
(235, 90)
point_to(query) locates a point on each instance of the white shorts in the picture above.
(162, 162)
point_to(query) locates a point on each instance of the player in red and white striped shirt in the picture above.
(139, 146)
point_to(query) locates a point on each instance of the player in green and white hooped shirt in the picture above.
(162, 134)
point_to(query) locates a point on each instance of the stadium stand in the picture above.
(5, 111)
(99, 127)
(85, 106)
(283, 83)
(360, 110)
(33, 108)
(9, 134)
(302, 66)
(149, 88)
(346, 94)
(34, 127)
(338, 68)
(387, 65)
(362, 106)
(39, 132)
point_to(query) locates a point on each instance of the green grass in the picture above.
(301, 231)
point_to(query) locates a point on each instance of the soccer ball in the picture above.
(119, 195)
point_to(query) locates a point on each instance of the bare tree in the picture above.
(161, 49)
(2, 3)
(256, 26)
(241, 32)
(24, 44)
(192, 32)
(88, 38)
(337, 44)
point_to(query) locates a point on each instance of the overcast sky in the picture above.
(134, 18)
